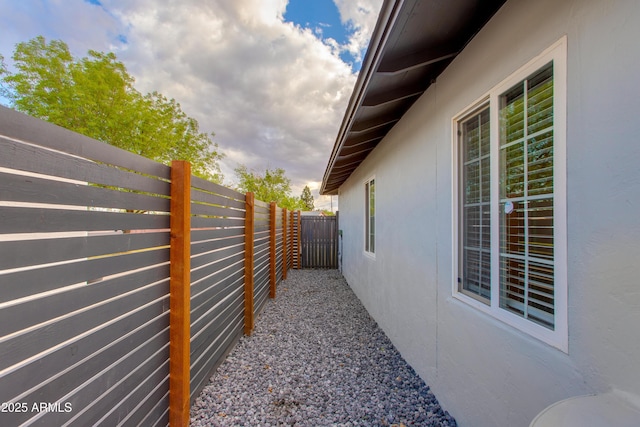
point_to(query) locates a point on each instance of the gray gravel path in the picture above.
(316, 358)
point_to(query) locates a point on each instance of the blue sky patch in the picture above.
(321, 17)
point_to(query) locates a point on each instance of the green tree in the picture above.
(306, 199)
(272, 186)
(95, 96)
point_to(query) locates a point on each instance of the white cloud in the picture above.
(361, 15)
(273, 93)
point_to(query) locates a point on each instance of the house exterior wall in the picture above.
(484, 372)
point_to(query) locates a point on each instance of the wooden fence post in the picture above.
(180, 295)
(272, 254)
(285, 242)
(248, 264)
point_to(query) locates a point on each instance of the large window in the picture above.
(511, 245)
(370, 216)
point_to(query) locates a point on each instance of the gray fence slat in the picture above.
(216, 330)
(87, 356)
(18, 188)
(259, 302)
(33, 342)
(201, 290)
(36, 220)
(261, 236)
(33, 312)
(201, 236)
(204, 301)
(262, 266)
(216, 199)
(210, 245)
(158, 416)
(232, 302)
(30, 282)
(213, 257)
(203, 222)
(216, 352)
(144, 397)
(28, 158)
(212, 187)
(22, 127)
(209, 270)
(262, 274)
(201, 209)
(260, 246)
(263, 206)
(262, 229)
(262, 282)
(213, 323)
(101, 395)
(22, 253)
(56, 387)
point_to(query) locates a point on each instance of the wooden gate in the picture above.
(319, 241)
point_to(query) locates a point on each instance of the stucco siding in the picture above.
(483, 371)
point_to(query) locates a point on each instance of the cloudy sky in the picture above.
(271, 78)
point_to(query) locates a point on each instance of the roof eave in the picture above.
(388, 14)
(399, 66)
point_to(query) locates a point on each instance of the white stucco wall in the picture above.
(484, 372)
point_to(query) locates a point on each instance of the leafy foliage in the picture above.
(306, 199)
(95, 96)
(272, 186)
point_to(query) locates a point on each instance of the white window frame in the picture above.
(558, 337)
(367, 251)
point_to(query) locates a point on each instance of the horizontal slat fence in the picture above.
(296, 262)
(217, 277)
(95, 325)
(261, 253)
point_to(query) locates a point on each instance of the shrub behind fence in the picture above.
(90, 256)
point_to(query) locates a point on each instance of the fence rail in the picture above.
(123, 282)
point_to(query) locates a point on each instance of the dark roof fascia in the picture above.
(399, 66)
(388, 14)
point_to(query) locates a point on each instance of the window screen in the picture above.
(527, 198)
(475, 221)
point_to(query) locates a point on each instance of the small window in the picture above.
(370, 216)
(475, 216)
(511, 200)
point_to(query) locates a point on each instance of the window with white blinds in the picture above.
(511, 178)
(475, 215)
(526, 198)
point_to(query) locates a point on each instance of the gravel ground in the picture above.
(316, 358)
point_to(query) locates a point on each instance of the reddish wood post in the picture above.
(272, 254)
(248, 264)
(299, 245)
(284, 243)
(180, 295)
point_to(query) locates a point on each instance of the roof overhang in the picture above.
(413, 42)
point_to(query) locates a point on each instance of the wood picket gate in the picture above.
(319, 241)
